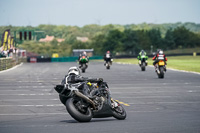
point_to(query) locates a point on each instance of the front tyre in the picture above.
(119, 112)
(77, 110)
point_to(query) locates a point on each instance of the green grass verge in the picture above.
(188, 63)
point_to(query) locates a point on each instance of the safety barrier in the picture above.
(73, 59)
(6, 63)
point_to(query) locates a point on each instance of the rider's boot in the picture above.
(155, 68)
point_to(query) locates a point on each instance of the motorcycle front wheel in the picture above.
(119, 112)
(77, 110)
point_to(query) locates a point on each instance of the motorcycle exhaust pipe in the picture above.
(85, 97)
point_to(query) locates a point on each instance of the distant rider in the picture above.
(108, 57)
(83, 55)
(141, 54)
(159, 56)
(73, 76)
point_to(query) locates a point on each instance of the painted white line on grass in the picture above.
(7, 70)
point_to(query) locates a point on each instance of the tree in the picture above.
(113, 41)
(155, 37)
(97, 43)
(183, 37)
(130, 41)
(169, 40)
(144, 40)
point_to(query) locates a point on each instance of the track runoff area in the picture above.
(29, 103)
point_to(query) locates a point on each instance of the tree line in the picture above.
(119, 39)
(132, 41)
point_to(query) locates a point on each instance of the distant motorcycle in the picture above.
(83, 63)
(83, 108)
(160, 68)
(143, 62)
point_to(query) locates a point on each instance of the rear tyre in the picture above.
(143, 66)
(161, 75)
(83, 70)
(79, 113)
(108, 67)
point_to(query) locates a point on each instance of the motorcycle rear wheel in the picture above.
(143, 66)
(161, 75)
(83, 68)
(76, 113)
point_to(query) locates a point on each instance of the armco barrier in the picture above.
(39, 59)
(64, 59)
(73, 59)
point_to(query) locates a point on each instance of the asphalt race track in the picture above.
(29, 104)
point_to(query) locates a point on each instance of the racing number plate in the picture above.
(161, 63)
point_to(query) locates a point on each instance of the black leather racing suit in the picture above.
(86, 89)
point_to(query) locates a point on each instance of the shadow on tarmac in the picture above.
(93, 120)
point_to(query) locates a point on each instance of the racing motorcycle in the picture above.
(83, 108)
(160, 68)
(83, 63)
(143, 62)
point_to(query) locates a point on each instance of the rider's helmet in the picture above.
(142, 52)
(160, 52)
(74, 71)
(84, 53)
(108, 52)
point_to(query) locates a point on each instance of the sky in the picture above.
(102, 12)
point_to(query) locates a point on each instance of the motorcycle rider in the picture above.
(73, 76)
(80, 56)
(142, 52)
(108, 57)
(159, 56)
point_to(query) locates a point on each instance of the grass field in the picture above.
(188, 63)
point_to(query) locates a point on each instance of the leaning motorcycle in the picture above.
(83, 108)
(160, 68)
(83, 63)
